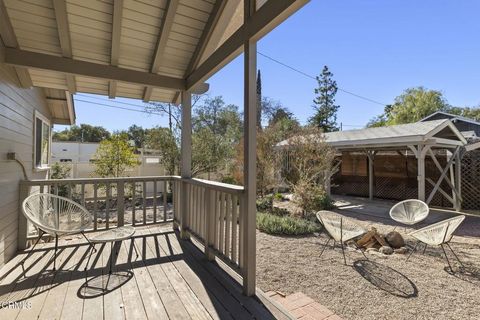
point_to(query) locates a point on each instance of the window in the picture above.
(42, 141)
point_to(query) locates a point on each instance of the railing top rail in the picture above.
(218, 186)
(38, 182)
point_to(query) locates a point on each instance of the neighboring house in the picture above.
(26, 119)
(79, 156)
(470, 128)
(72, 151)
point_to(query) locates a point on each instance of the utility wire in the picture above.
(117, 107)
(314, 78)
(107, 100)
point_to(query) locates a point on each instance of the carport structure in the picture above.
(423, 139)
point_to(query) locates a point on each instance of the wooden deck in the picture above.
(170, 280)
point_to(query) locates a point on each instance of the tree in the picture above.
(114, 156)
(82, 133)
(217, 129)
(412, 105)
(163, 140)
(325, 116)
(137, 134)
(311, 159)
(259, 100)
(467, 112)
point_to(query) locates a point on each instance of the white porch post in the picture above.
(421, 151)
(250, 154)
(186, 159)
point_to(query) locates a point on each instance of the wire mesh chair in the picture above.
(340, 229)
(438, 234)
(409, 211)
(56, 216)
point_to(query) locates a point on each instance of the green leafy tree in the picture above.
(82, 133)
(217, 129)
(467, 112)
(114, 156)
(163, 140)
(412, 105)
(325, 116)
(60, 171)
(137, 134)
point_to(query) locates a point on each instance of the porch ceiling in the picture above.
(148, 50)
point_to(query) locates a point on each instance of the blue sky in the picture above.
(374, 48)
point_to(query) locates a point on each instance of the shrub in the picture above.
(286, 225)
(229, 180)
(311, 198)
(278, 196)
(265, 203)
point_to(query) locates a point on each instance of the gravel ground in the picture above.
(384, 287)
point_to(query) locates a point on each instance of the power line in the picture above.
(111, 101)
(314, 78)
(117, 107)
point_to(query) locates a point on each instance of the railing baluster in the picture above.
(120, 203)
(134, 187)
(95, 205)
(164, 196)
(241, 221)
(107, 205)
(154, 201)
(234, 229)
(82, 190)
(228, 229)
(144, 201)
(221, 204)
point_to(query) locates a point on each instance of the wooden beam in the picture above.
(206, 35)
(61, 17)
(165, 28)
(10, 40)
(269, 16)
(115, 48)
(443, 175)
(42, 61)
(370, 156)
(249, 161)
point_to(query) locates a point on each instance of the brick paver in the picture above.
(303, 307)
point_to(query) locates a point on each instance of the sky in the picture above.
(375, 49)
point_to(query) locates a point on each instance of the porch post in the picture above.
(370, 156)
(421, 172)
(250, 152)
(458, 180)
(186, 160)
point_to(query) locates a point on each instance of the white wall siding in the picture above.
(17, 107)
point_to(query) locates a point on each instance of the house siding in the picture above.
(17, 109)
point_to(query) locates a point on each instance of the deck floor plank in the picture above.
(93, 305)
(170, 280)
(46, 280)
(209, 301)
(54, 302)
(112, 299)
(161, 280)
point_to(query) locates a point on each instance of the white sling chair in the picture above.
(409, 212)
(56, 216)
(438, 234)
(340, 229)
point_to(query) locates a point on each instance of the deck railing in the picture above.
(211, 212)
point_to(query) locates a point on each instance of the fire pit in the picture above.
(373, 241)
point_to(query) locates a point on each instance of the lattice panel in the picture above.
(471, 180)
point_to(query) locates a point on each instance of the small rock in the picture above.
(351, 243)
(395, 239)
(386, 250)
(401, 250)
(370, 250)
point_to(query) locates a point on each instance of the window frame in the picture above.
(46, 121)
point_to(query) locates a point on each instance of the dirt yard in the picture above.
(384, 287)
